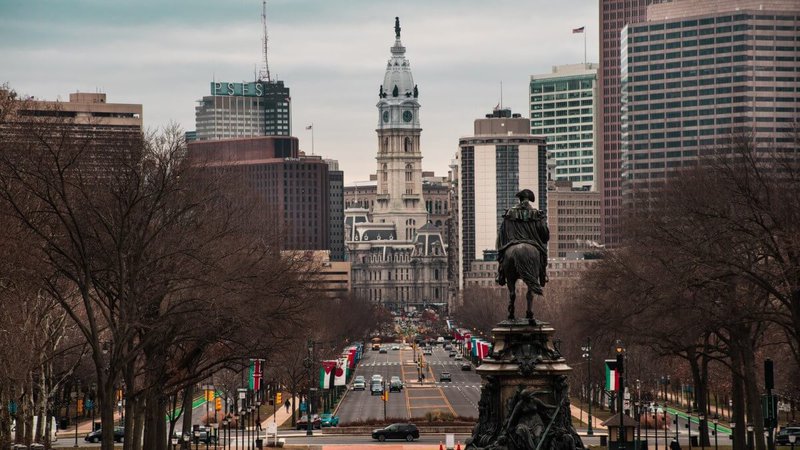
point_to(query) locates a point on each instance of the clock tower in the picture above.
(399, 198)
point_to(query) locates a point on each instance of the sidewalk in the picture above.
(279, 417)
(578, 413)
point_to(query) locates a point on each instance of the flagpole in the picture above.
(584, 48)
(312, 138)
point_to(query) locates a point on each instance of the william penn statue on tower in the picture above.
(397, 27)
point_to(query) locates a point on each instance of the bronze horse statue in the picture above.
(522, 262)
(522, 250)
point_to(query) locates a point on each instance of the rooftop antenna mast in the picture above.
(264, 74)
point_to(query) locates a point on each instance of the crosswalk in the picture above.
(380, 364)
(396, 363)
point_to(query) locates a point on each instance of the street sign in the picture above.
(272, 428)
(769, 408)
(89, 405)
(450, 441)
(303, 407)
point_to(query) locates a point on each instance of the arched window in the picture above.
(409, 173)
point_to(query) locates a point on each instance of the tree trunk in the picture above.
(186, 410)
(753, 395)
(135, 443)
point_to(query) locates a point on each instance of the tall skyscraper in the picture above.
(614, 14)
(564, 111)
(501, 159)
(696, 71)
(398, 258)
(258, 108)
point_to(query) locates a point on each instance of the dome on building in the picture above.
(398, 71)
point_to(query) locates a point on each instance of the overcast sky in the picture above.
(331, 54)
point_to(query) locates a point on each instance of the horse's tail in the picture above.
(527, 262)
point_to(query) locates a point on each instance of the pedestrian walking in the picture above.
(287, 404)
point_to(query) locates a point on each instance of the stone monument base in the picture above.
(524, 400)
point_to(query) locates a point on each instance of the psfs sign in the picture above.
(254, 89)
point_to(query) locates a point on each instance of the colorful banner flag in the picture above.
(256, 374)
(612, 376)
(340, 376)
(578, 30)
(326, 374)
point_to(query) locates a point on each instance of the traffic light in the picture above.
(209, 395)
(278, 398)
(218, 404)
(80, 406)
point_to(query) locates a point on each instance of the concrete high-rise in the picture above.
(564, 111)
(493, 165)
(258, 108)
(697, 71)
(336, 215)
(295, 187)
(614, 15)
(573, 216)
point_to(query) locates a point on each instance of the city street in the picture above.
(459, 397)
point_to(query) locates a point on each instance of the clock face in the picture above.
(386, 116)
(407, 116)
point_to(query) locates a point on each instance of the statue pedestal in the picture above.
(524, 395)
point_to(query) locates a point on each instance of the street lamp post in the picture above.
(750, 437)
(655, 424)
(689, 425)
(620, 349)
(733, 433)
(77, 399)
(792, 439)
(310, 365)
(587, 353)
(716, 432)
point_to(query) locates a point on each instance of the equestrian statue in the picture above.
(522, 250)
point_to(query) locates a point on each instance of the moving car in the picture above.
(396, 385)
(466, 366)
(376, 388)
(407, 431)
(359, 384)
(782, 438)
(458, 357)
(383, 350)
(377, 377)
(452, 353)
(302, 422)
(395, 347)
(329, 420)
(97, 435)
(445, 376)
(427, 351)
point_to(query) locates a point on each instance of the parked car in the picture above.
(376, 388)
(466, 366)
(97, 435)
(458, 357)
(445, 376)
(407, 431)
(329, 420)
(782, 438)
(427, 351)
(302, 422)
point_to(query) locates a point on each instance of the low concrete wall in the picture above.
(423, 429)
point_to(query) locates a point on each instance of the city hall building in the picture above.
(398, 258)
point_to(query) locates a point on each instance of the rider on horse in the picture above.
(523, 224)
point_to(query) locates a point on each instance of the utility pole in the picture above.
(620, 348)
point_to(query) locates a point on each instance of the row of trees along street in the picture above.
(129, 265)
(705, 287)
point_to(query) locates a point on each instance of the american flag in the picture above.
(577, 30)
